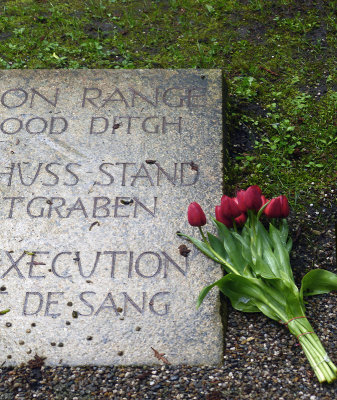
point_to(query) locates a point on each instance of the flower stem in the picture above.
(323, 367)
(203, 236)
(235, 226)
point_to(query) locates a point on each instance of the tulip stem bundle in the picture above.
(258, 275)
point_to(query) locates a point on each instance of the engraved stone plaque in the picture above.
(97, 170)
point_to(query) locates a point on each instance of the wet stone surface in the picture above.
(97, 171)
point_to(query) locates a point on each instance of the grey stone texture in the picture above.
(97, 170)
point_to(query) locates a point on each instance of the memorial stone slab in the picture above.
(97, 170)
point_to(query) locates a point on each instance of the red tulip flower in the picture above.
(240, 220)
(273, 209)
(253, 199)
(277, 208)
(221, 218)
(250, 199)
(240, 197)
(229, 207)
(195, 215)
(264, 200)
(254, 257)
(284, 207)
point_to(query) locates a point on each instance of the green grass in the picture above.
(276, 56)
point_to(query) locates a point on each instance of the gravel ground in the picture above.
(262, 360)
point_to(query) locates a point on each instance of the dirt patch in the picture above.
(5, 35)
(99, 29)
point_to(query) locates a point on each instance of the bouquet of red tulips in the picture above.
(258, 275)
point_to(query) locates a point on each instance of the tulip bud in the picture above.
(284, 207)
(277, 208)
(221, 218)
(273, 209)
(257, 188)
(195, 215)
(240, 220)
(252, 198)
(264, 200)
(229, 207)
(240, 197)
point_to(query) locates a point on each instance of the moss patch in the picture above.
(278, 57)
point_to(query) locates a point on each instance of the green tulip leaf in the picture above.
(246, 252)
(232, 246)
(234, 250)
(265, 309)
(295, 306)
(281, 253)
(246, 294)
(244, 304)
(246, 233)
(220, 228)
(241, 303)
(270, 259)
(217, 246)
(280, 290)
(263, 235)
(284, 297)
(284, 230)
(262, 269)
(288, 295)
(318, 281)
(289, 245)
(205, 291)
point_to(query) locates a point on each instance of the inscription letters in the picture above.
(72, 265)
(96, 170)
(36, 303)
(106, 174)
(125, 264)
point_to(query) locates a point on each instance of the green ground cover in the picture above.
(277, 56)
